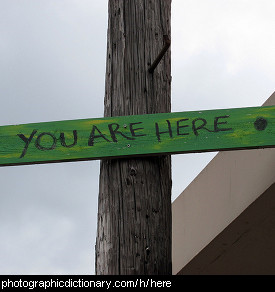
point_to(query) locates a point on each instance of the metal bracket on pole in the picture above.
(167, 44)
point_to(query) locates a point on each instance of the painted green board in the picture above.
(166, 133)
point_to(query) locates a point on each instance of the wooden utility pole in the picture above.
(134, 207)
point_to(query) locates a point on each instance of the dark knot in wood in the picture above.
(133, 172)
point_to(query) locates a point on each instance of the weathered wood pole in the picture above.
(134, 207)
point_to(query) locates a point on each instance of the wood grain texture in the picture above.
(140, 135)
(134, 212)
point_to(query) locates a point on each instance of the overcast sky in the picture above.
(52, 56)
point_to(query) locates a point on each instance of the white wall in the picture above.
(220, 193)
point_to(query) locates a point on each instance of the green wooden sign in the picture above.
(153, 134)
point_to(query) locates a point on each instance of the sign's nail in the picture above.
(260, 124)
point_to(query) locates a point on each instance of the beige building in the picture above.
(224, 221)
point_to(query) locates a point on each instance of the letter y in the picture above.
(27, 142)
